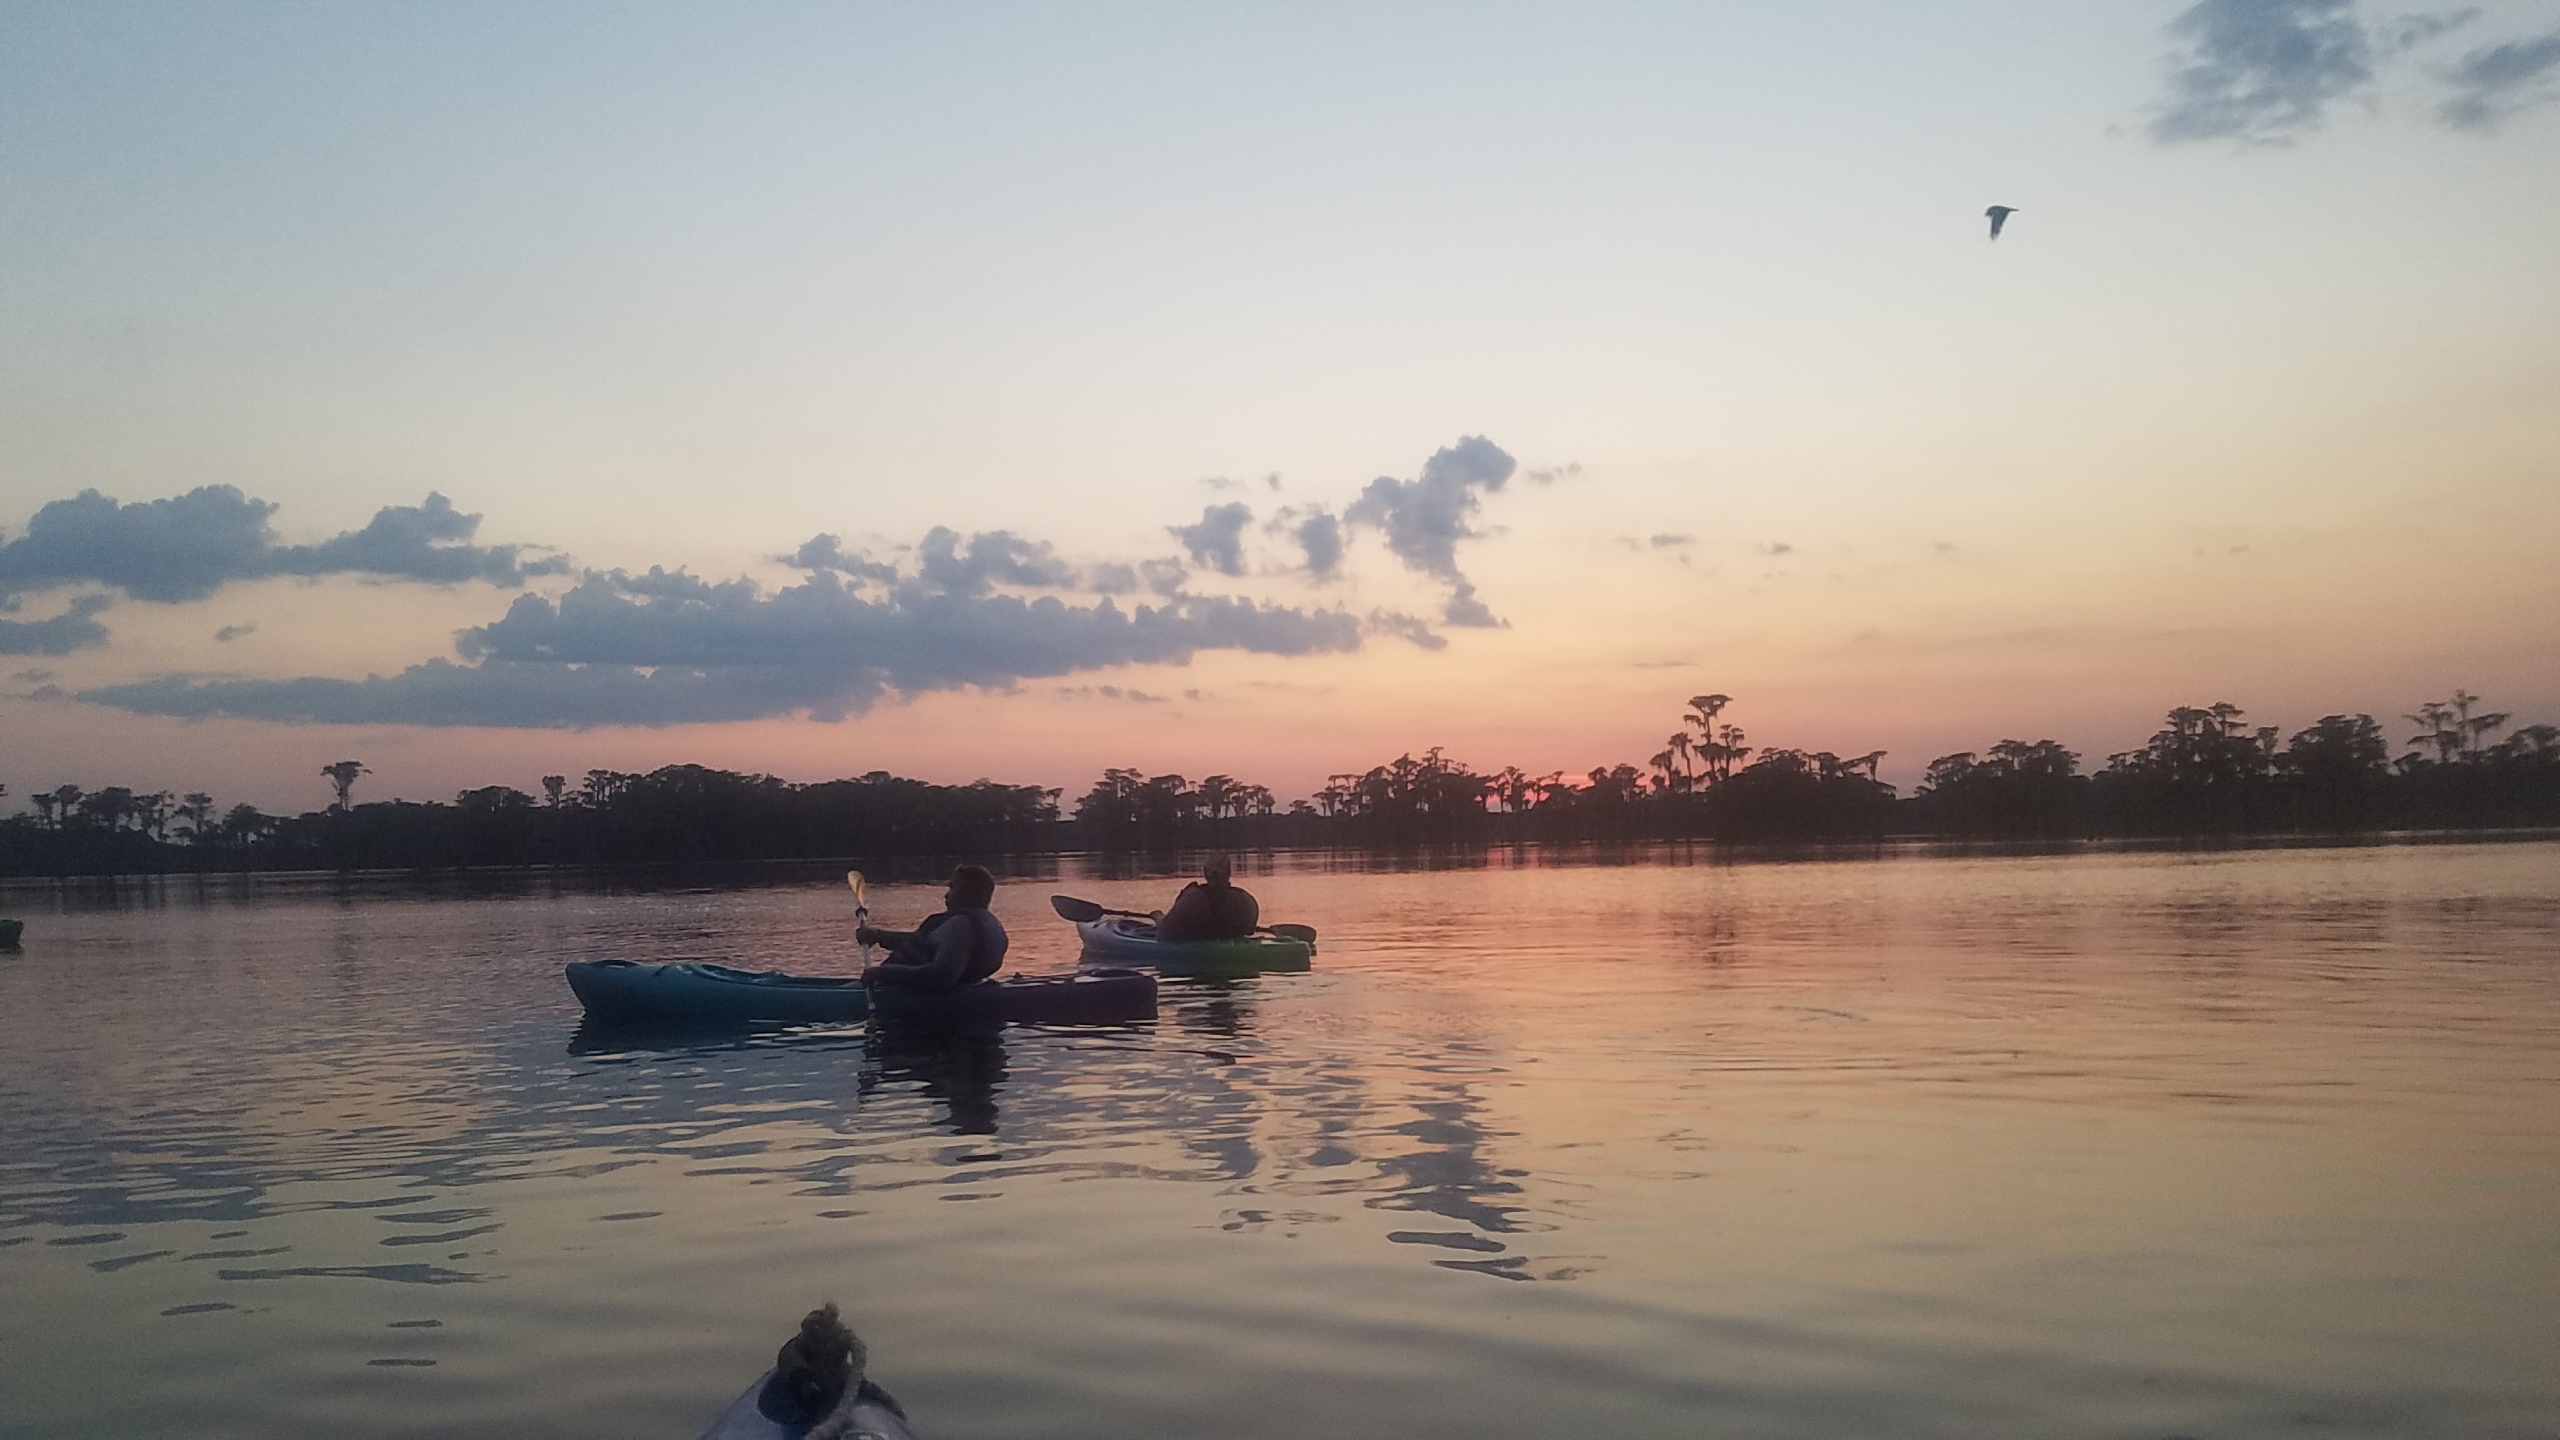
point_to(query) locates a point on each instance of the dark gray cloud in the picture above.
(188, 546)
(429, 541)
(1165, 577)
(1217, 542)
(990, 558)
(1320, 535)
(1465, 610)
(2496, 81)
(73, 629)
(1670, 542)
(671, 649)
(2260, 71)
(825, 552)
(1423, 519)
(229, 633)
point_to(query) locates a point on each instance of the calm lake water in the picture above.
(2143, 1145)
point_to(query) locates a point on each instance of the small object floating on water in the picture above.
(699, 991)
(10, 931)
(816, 1390)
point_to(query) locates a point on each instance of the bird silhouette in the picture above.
(1999, 216)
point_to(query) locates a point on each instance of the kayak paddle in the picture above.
(861, 911)
(1085, 911)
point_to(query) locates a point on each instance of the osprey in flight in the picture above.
(1999, 216)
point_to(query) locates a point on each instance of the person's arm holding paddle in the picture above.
(961, 944)
(932, 960)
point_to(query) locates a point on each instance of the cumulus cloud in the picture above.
(1424, 519)
(1166, 577)
(429, 541)
(188, 546)
(670, 649)
(990, 558)
(74, 629)
(2496, 81)
(826, 552)
(1320, 536)
(1218, 540)
(2260, 71)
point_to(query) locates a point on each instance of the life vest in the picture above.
(989, 952)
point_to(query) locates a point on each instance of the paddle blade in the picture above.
(853, 879)
(1294, 932)
(1071, 908)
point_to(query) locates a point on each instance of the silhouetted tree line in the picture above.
(2207, 772)
(679, 814)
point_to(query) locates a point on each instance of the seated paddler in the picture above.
(961, 946)
(1212, 907)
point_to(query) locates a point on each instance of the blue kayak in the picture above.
(699, 991)
(875, 1416)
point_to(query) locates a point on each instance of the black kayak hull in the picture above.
(1094, 997)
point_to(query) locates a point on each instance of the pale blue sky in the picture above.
(685, 287)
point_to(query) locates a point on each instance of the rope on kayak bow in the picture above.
(821, 1369)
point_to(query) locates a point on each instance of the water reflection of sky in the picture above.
(1788, 1144)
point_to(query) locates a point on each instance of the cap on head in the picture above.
(1217, 869)
(972, 885)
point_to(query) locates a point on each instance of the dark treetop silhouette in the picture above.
(2205, 773)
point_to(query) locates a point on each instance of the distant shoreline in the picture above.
(1025, 867)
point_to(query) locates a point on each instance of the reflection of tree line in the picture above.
(2206, 772)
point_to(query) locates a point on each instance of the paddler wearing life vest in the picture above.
(961, 946)
(1212, 907)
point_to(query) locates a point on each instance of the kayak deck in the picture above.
(701, 990)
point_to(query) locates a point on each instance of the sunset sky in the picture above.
(490, 391)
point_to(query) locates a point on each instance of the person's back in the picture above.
(1211, 908)
(962, 945)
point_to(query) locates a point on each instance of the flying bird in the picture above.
(1999, 216)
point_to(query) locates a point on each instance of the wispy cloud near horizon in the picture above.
(662, 647)
(670, 649)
